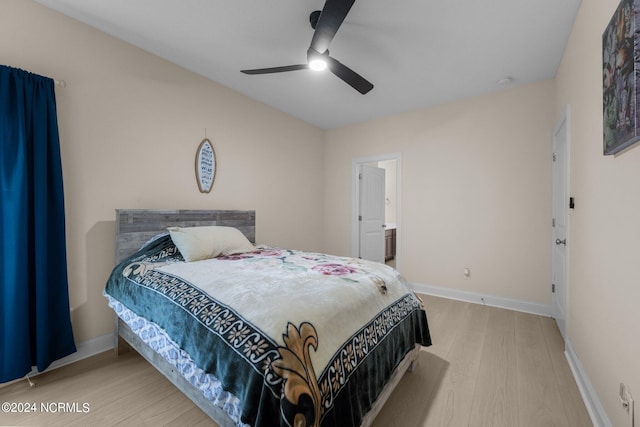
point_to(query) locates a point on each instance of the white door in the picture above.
(559, 242)
(371, 216)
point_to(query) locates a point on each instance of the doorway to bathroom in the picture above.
(367, 204)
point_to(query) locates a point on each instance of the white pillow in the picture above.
(198, 243)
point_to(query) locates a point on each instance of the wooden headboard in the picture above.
(134, 227)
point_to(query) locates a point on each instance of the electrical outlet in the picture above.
(627, 403)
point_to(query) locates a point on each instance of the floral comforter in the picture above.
(294, 335)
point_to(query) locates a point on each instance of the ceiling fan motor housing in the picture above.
(313, 18)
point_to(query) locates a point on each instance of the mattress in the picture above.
(291, 335)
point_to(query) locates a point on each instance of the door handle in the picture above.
(561, 242)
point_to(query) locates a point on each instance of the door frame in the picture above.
(355, 202)
(563, 119)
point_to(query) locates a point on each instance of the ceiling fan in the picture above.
(326, 24)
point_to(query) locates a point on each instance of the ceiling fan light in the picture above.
(318, 64)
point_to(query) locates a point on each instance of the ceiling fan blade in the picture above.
(349, 76)
(276, 69)
(331, 18)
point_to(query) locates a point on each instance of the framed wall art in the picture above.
(620, 74)
(205, 166)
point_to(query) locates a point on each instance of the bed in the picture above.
(266, 336)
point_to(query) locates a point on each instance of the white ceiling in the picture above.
(417, 53)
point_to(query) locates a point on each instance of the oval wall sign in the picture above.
(205, 166)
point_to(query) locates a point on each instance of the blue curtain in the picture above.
(35, 324)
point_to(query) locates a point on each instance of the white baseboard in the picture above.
(478, 298)
(594, 407)
(84, 349)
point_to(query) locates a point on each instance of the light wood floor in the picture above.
(487, 367)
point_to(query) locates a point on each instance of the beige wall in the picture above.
(476, 182)
(130, 124)
(604, 287)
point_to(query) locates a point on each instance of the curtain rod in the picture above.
(60, 83)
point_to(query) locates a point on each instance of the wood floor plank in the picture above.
(577, 414)
(143, 383)
(446, 325)
(411, 406)
(172, 408)
(116, 388)
(451, 402)
(451, 406)
(540, 403)
(468, 340)
(495, 402)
